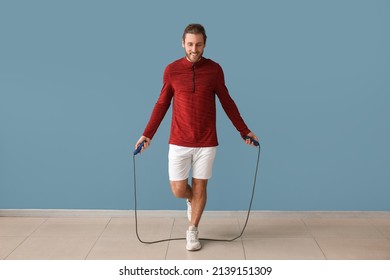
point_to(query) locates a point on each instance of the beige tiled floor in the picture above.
(268, 235)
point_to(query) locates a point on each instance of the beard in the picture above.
(194, 56)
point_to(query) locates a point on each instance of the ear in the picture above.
(182, 43)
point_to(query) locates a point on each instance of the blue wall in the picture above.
(78, 80)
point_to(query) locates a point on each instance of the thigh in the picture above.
(179, 188)
(179, 163)
(203, 161)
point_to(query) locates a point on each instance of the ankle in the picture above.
(193, 228)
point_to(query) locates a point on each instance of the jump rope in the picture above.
(138, 150)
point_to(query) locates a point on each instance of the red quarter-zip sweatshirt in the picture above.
(193, 87)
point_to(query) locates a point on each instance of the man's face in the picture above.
(193, 45)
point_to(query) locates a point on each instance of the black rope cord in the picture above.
(183, 238)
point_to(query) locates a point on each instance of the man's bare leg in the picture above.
(181, 189)
(198, 200)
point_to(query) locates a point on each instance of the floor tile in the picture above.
(119, 239)
(381, 224)
(282, 249)
(122, 247)
(211, 250)
(269, 235)
(72, 227)
(53, 248)
(355, 248)
(153, 228)
(8, 244)
(275, 227)
(337, 227)
(119, 226)
(210, 227)
(19, 226)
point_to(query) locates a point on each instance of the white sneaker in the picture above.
(189, 210)
(193, 243)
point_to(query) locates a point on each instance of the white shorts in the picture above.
(180, 160)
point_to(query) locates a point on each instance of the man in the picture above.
(193, 82)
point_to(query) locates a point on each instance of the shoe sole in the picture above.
(194, 249)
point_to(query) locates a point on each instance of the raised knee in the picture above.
(179, 189)
(179, 192)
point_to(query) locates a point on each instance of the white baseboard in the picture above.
(180, 213)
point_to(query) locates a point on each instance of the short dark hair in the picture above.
(195, 28)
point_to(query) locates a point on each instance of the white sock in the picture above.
(192, 228)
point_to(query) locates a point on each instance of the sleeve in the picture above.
(161, 107)
(228, 103)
